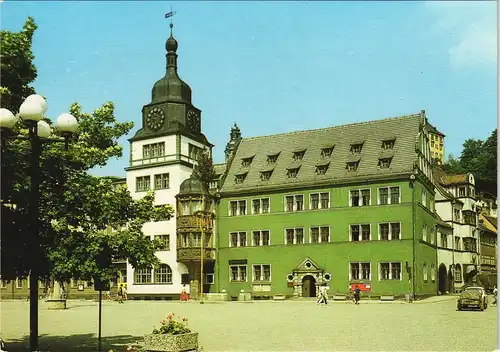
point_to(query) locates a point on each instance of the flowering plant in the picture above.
(172, 326)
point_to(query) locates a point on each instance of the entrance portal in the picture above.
(443, 279)
(308, 286)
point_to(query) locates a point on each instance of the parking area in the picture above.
(434, 325)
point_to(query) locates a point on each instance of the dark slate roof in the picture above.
(434, 130)
(219, 169)
(192, 185)
(403, 129)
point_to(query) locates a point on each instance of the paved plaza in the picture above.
(431, 325)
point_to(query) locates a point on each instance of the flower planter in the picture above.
(170, 343)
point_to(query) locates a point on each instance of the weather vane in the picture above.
(170, 15)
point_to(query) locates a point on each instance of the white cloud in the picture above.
(473, 29)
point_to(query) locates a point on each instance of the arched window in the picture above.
(163, 274)
(424, 232)
(142, 276)
(425, 272)
(433, 273)
(458, 273)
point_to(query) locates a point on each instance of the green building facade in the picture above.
(348, 205)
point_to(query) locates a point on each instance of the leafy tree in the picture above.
(18, 70)
(204, 170)
(478, 157)
(76, 209)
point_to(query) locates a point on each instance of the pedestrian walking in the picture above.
(323, 294)
(120, 294)
(124, 292)
(495, 292)
(357, 293)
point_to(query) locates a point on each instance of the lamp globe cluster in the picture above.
(31, 111)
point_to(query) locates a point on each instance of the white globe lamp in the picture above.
(7, 119)
(66, 123)
(43, 129)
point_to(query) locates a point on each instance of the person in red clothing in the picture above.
(184, 295)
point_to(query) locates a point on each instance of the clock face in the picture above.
(193, 121)
(155, 118)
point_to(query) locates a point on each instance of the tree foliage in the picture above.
(204, 169)
(77, 210)
(478, 157)
(18, 70)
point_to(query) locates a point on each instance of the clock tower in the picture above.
(171, 110)
(163, 153)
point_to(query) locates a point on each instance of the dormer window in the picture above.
(246, 161)
(271, 159)
(388, 144)
(240, 178)
(292, 173)
(326, 152)
(384, 163)
(352, 166)
(322, 169)
(298, 155)
(265, 175)
(356, 148)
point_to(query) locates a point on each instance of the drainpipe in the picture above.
(452, 288)
(412, 185)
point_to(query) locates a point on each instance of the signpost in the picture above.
(100, 285)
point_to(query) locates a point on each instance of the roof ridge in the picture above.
(338, 126)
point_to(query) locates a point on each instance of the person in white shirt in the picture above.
(323, 295)
(495, 292)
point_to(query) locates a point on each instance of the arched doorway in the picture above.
(308, 286)
(443, 279)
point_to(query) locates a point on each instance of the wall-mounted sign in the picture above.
(362, 287)
(80, 287)
(237, 261)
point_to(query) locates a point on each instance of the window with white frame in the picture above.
(260, 206)
(142, 183)
(359, 197)
(319, 234)
(390, 271)
(458, 243)
(162, 181)
(432, 234)
(360, 232)
(389, 231)
(319, 200)
(238, 273)
(444, 240)
(165, 241)
(425, 272)
(238, 239)
(153, 150)
(424, 232)
(261, 272)
(19, 283)
(260, 238)
(424, 198)
(142, 276)
(294, 235)
(294, 203)
(209, 279)
(433, 273)
(163, 274)
(389, 195)
(360, 271)
(458, 273)
(456, 215)
(237, 207)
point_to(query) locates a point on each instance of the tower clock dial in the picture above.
(193, 121)
(155, 118)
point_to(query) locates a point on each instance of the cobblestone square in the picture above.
(431, 325)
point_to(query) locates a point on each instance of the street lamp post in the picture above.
(32, 112)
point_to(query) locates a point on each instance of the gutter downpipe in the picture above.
(412, 182)
(452, 271)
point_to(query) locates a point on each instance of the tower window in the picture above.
(162, 181)
(194, 151)
(353, 166)
(356, 148)
(142, 183)
(384, 163)
(271, 159)
(153, 150)
(388, 144)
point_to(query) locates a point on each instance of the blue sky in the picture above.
(272, 67)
